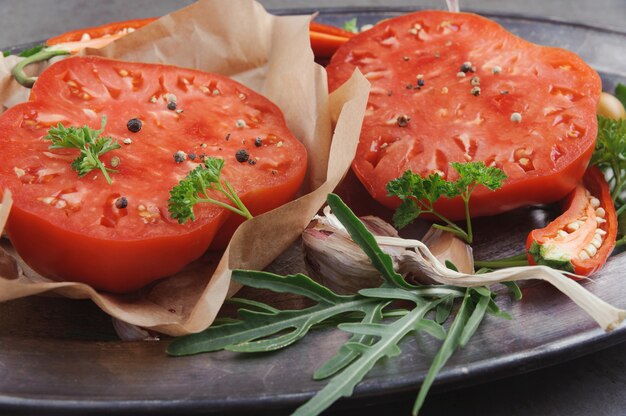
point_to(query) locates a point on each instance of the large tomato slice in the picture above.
(70, 228)
(456, 87)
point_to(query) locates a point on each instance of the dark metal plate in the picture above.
(61, 356)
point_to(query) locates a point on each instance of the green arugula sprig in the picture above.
(90, 144)
(377, 325)
(195, 189)
(418, 194)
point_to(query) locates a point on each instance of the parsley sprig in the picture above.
(90, 144)
(418, 194)
(610, 154)
(195, 188)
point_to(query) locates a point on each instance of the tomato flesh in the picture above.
(582, 238)
(69, 228)
(457, 87)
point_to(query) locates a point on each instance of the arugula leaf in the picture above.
(351, 25)
(195, 188)
(361, 235)
(90, 144)
(376, 334)
(418, 194)
(620, 93)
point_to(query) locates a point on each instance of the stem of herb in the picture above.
(500, 264)
(43, 55)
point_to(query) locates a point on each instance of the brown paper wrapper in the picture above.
(271, 55)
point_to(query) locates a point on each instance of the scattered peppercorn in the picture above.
(228, 137)
(420, 82)
(242, 155)
(466, 67)
(405, 58)
(115, 161)
(180, 156)
(409, 86)
(516, 117)
(121, 203)
(240, 123)
(202, 157)
(475, 91)
(496, 70)
(192, 156)
(134, 125)
(251, 162)
(127, 140)
(475, 81)
(171, 105)
(403, 120)
(258, 142)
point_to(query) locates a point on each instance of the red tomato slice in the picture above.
(582, 238)
(69, 228)
(527, 109)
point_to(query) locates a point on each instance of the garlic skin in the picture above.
(337, 261)
(344, 265)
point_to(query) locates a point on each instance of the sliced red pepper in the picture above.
(581, 239)
(326, 39)
(97, 37)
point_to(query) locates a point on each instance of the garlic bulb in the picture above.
(344, 265)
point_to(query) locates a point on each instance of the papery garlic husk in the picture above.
(5, 208)
(129, 332)
(415, 261)
(337, 261)
(447, 246)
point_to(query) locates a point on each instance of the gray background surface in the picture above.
(592, 385)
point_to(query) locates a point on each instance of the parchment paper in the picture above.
(271, 55)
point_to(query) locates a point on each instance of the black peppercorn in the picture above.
(134, 125)
(258, 142)
(121, 203)
(171, 105)
(242, 155)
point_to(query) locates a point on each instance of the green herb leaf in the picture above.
(346, 355)
(377, 328)
(201, 182)
(610, 154)
(90, 144)
(256, 329)
(343, 383)
(351, 25)
(418, 194)
(361, 235)
(30, 52)
(620, 93)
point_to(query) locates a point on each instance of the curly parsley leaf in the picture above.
(610, 153)
(90, 143)
(197, 186)
(418, 194)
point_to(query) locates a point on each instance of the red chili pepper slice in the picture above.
(582, 238)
